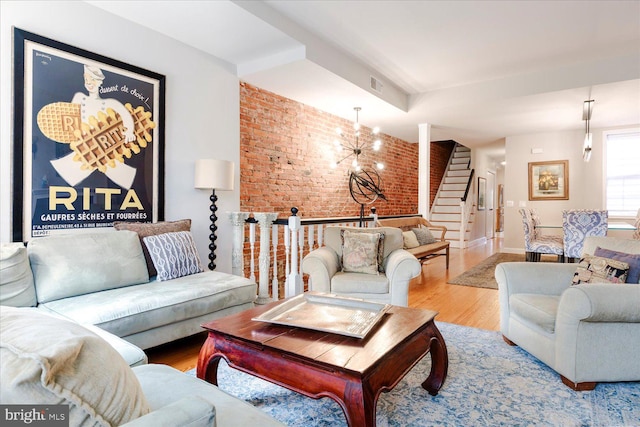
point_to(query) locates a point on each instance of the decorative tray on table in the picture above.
(327, 313)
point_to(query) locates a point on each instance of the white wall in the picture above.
(202, 106)
(586, 189)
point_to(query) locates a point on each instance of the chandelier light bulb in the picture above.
(339, 131)
(356, 126)
(334, 165)
(358, 168)
(376, 130)
(354, 163)
(380, 166)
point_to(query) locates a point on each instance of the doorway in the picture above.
(490, 217)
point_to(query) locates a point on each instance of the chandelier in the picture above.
(355, 146)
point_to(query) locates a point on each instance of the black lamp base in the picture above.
(213, 227)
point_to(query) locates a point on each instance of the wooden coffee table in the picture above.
(351, 371)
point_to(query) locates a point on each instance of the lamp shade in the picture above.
(214, 174)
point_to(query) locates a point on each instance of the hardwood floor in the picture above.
(462, 305)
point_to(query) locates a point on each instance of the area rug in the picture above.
(482, 275)
(489, 384)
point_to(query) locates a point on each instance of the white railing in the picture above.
(278, 266)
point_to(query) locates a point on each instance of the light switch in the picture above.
(522, 204)
(509, 203)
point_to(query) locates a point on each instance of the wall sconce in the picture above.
(212, 174)
(587, 109)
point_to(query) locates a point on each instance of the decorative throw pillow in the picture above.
(145, 229)
(48, 360)
(594, 269)
(16, 278)
(424, 236)
(632, 259)
(410, 240)
(380, 246)
(173, 254)
(360, 251)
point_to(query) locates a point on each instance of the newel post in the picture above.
(265, 220)
(252, 247)
(237, 251)
(374, 215)
(294, 285)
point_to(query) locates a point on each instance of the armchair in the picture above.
(588, 333)
(390, 285)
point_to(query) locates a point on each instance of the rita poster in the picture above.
(89, 140)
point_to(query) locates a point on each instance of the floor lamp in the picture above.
(212, 174)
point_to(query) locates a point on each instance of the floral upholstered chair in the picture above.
(577, 225)
(535, 243)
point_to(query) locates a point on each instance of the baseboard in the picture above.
(477, 242)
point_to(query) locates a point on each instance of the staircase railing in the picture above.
(465, 209)
(469, 182)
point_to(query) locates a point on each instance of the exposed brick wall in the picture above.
(440, 153)
(285, 155)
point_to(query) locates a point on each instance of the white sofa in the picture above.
(102, 279)
(71, 309)
(588, 333)
(49, 360)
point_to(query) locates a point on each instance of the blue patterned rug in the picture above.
(489, 384)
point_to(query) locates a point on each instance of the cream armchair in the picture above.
(391, 285)
(588, 333)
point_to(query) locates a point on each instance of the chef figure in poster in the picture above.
(90, 104)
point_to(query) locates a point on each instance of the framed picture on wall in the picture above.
(549, 180)
(88, 140)
(482, 193)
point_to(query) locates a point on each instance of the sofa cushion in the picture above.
(424, 236)
(173, 254)
(46, 360)
(76, 264)
(632, 259)
(16, 279)
(594, 269)
(537, 309)
(410, 240)
(361, 251)
(145, 229)
(127, 311)
(345, 283)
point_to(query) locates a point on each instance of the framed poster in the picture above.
(549, 180)
(482, 193)
(88, 140)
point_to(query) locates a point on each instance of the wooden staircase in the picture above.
(446, 208)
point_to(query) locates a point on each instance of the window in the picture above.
(622, 151)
